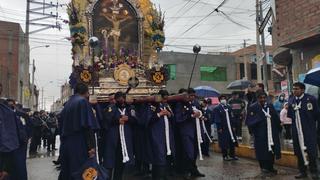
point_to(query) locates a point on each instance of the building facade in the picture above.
(296, 36)
(247, 67)
(14, 66)
(216, 71)
(65, 93)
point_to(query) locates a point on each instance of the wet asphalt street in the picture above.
(41, 168)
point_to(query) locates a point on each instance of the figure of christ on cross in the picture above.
(115, 32)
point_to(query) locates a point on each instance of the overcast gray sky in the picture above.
(216, 33)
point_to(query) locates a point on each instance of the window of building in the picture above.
(213, 73)
(269, 72)
(172, 68)
(242, 71)
(253, 70)
(270, 59)
(253, 58)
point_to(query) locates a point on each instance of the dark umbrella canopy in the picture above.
(239, 84)
(313, 77)
(206, 91)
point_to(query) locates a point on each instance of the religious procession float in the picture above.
(115, 46)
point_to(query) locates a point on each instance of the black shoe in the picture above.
(315, 176)
(301, 176)
(273, 171)
(265, 171)
(140, 173)
(268, 173)
(56, 162)
(187, 176)
(197, 174)
(207, 155)
(234, 158)
(226, 159)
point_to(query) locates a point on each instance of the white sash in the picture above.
(206, 131)
(125, 156)
(198, 128)
(166, 127)
(269, 129)
(303, 148)
(229, 125)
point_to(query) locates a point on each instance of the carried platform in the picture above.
(115, 45)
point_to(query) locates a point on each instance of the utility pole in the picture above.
(38, 11)
(32, 83)
(42, 102)
(258, 46)
(246, 75)
(264, 59)
(27, 54)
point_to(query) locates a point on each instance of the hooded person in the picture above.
(77, 126)
(278, 104)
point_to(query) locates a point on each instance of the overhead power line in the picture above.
(204, 18)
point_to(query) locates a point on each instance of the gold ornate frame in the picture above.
(140, 19)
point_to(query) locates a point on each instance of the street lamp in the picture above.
(45, 46)
(33, 70)
(196, 50)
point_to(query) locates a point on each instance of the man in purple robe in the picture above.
(77, 125)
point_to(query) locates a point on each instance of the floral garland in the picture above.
(156, 22)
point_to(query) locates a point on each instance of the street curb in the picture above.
(288, 159)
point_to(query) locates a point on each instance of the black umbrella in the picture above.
(239, 84)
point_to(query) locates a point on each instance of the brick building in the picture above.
(296, 36)
(14, 69)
